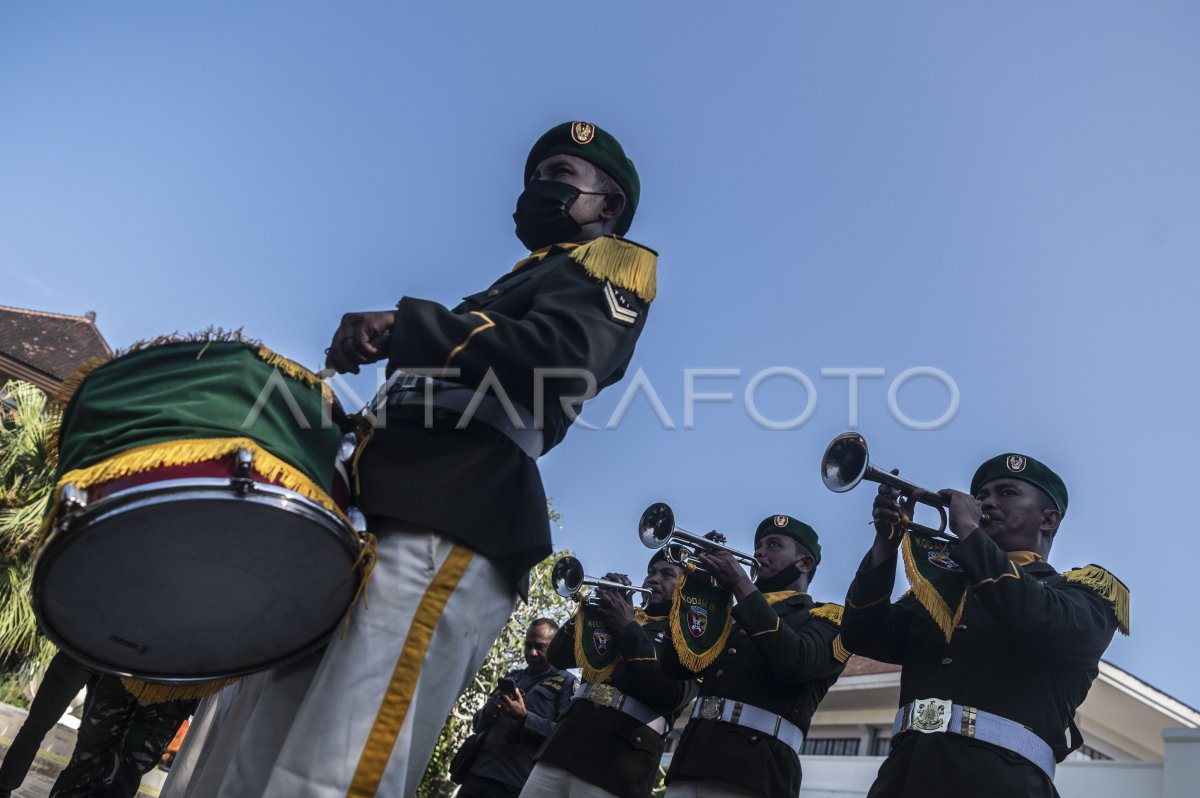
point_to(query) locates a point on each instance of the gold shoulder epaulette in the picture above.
(622, 262)
(830, 612)
(833, 614)
(1108, 586)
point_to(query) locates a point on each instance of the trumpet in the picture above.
(847, 462)
(658, 531)
(568, 579)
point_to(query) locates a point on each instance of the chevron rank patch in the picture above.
(620, 309)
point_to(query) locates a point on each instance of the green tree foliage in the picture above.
(28, 425)
(506, 654)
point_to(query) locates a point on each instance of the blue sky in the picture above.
(1005, 192)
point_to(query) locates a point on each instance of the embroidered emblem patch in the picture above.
(620, 309)
(781, 521)
(697, 619)
(600, 641)
(583, 132)
(942, 560)
(1016, 463)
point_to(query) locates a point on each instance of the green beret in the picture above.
(586, 141)
(661, 554)
(786, 525)
(1020, 466)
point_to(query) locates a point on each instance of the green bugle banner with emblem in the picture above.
(701, 615)
(937, 581)
(595, 649)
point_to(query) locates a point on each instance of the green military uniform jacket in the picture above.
(780, 658)
(1027, 648)
(606, 747)
(475, 484)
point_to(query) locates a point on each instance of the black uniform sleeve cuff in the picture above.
(633, 644)
(872, 585)
(755, 614)
(983, 561)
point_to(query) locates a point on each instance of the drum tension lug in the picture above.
(72, 500)
(243, 467)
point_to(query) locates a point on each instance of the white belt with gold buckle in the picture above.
(933, 715)
(710, 707)
(609, 697)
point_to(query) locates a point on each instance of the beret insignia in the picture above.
(781, 521)
(582, 132)
(1016, 463)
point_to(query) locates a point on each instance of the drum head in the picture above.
(185, 582)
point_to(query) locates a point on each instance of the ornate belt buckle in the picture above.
(931, 715)
(711, 706)
(602, 695)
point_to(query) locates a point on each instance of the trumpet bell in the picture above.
(657, 525)
(845, 462)
(567, 576)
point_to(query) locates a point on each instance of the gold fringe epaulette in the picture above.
(622, 262)
(833, 614)
(155, 693)
(1109, 588)
(830, 612)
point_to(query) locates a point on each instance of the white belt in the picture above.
(713, 708)
(930, 715)
(605, 695)
(410, 390)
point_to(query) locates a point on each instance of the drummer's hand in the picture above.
(513, 705)
(615, 607)
(352, 347)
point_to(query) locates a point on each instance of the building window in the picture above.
(1087, 752)
(833, 746)
(881, 746)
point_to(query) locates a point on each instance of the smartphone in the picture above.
(508, 687)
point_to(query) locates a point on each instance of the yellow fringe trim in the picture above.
(187, 452)
(291, 368)
(155, 693)
(690, 660)
(1110, 588)
(368, 553)
(780, 595)
(622, 262)
(829, 612)
(590, 674)
(930, 599)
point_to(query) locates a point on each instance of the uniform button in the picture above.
(731, 650)
(946, 660)
(493, 292)
(961, 626)
(754, 738)
(637, 739)
(719, 673)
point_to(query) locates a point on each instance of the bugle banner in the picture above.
(937, 581)
(595, 646)
(701, 615)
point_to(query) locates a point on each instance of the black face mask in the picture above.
(780, 581)
(543, 214)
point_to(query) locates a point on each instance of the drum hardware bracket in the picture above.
(72, 500)
(243, 467)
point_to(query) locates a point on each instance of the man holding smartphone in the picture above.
(517, 719)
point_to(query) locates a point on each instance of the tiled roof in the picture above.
(861, 666)
(52, 344)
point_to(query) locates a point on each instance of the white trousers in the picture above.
(707, 789)
(362, 718)
(549, 780)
